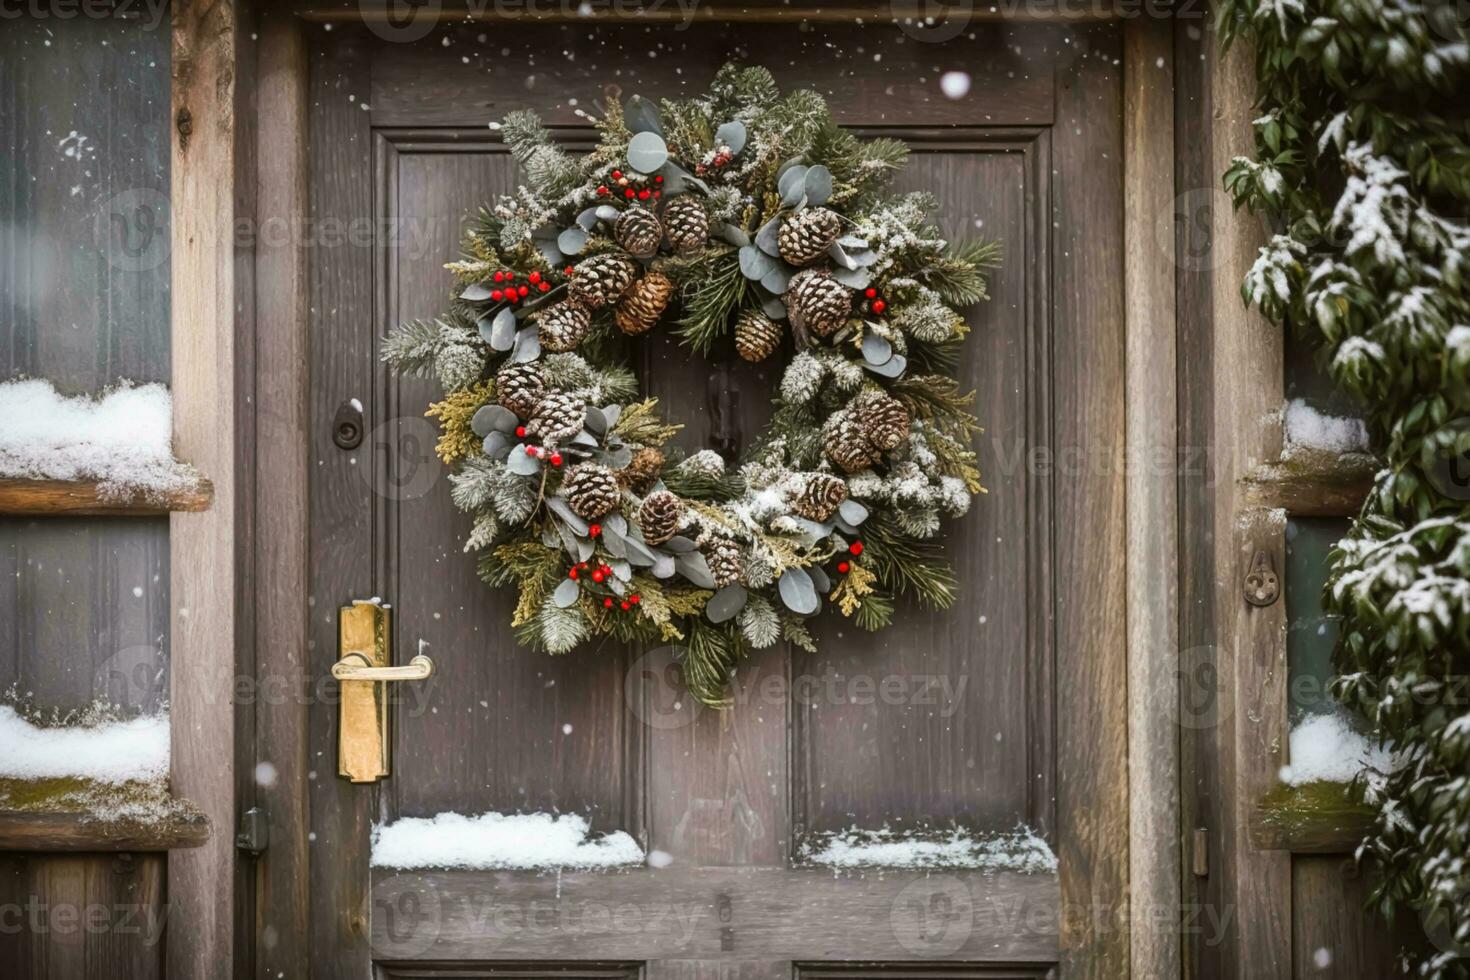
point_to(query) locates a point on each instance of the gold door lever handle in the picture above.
(358, 667)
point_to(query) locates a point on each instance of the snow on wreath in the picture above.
(741, 216)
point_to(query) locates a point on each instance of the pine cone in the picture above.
(723, 557)
(883, 419)
(638, 231)
(558, 416)
(686, 223)
(601, 279)
(563, 326)
(820, 496)
(643, 472)
(644, 303)
(817, 302)
(660, 517)
(845, 443)
(756, 336)
(591, 490)
(519, 387)
(806, 235)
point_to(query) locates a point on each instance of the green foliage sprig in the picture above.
(1363, 169)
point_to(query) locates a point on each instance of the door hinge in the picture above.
(254, 832)
(1199, 858)
(1262, 584)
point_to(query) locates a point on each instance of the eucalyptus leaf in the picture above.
(584, 438)
(754, 263)
(853, 242)
(615, 459)
(493, 418)
(613, 413)
(788, 165)
(567, 593)
(725, 604)
(606, 212)
(876, 350)
(778, 280)
(853, 278)
(836, 253)
(587, 220)
(639, 553)
(614, 543)
(499, 331)
(621, 570)
(596, 422)
(568, 541)
(475, 293)
(640, 115)
(527, 346)
(792, 185)
(862, 258)
(852, 512)
(563, 510)
(817, 184)
(572, 240)
(892, 368)
(819, 578)
(774, 308)
(550, 252)
(615, 522)
(647, 152)
(497, 445)
(679, 545)
(522, 463)
(585, 548)
(694, 568)
(768, 238)
(663, 566)
(617, 585)
(734, 234)
(798, 591)
(732, 134)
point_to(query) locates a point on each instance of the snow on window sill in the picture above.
(1020, 851)
(494, 841)
(1325, 748)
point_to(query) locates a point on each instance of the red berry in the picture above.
(571, 572)
(499, 277)
(545, 287)
(658, 180)
(497, 294)
(526, 289)
(605, 570)
(643, 195)
(602, 190)
(630, 193)
(534, 278)
(626, 606)
(568, 270)
(520, 432)
(635, 598)
(530, 450)
(594, 530)
(843, 567)
(597, 576)
(658, 193)
(607, 603)
(556, 459)
(870, 292)
(617, 175)
(879, 306)
(856, 548)
(581, 564)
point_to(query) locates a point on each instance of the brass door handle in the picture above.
(357, 667)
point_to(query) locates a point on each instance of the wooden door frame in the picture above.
(240, 382)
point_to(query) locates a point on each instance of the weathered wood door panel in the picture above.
(951, 718)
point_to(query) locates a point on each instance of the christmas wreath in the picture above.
(741, 214)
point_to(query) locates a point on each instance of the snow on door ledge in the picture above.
(495, 841)
(1020, 851)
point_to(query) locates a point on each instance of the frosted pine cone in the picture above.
(638, 231)
(602, 279)
(820, 496)
(644, 303)
(883, 419)
(519, 387)
(591, 490)
(723, 557)
(756, 336)
(806, 235)
(686, 223)
(563, 326)
(846, 444)
(558, 416)
(660, 517)
(817, 302)
(643, 472)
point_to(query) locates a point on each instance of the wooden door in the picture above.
(1011, 705)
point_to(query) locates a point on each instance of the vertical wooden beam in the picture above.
(1153, 499)
(1248, 388)
(201, 882)
(280, 501)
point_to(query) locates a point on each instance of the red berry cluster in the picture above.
(854, 549)
(599, 575)
(721, 157)
(873, 302)
(507, 289)
(540, 452)
(632, 188)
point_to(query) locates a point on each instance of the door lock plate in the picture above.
(363, 633)
(1262, 584)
